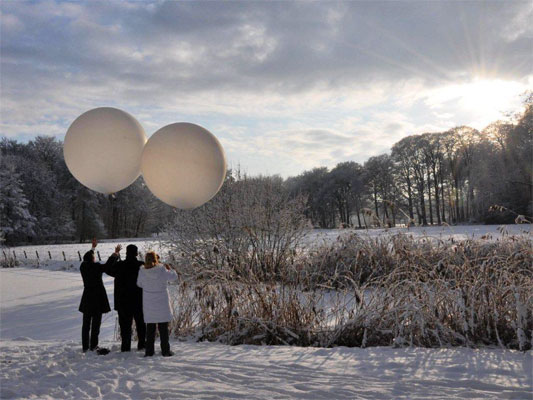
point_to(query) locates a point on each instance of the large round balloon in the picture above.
(103, 149)
(183, 165)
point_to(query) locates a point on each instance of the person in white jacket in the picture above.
(153, 278)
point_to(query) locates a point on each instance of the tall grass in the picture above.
(360, 291)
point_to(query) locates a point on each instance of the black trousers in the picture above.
(163, 335)
(91, 324)
(125, 320)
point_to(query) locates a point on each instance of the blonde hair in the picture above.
(150, 259)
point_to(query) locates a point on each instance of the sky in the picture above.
(285, 85)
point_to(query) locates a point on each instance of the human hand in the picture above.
(118, 248)
(94, 243)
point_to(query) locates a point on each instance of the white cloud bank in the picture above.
(285, 85)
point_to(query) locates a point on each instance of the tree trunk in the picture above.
(357, 210)
(442, 191)
(436, 183)
(457, 212)
(376, 201)
(410, 198)
(423, 203)
(429, 198)
(385, 213)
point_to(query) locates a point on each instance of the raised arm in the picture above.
(110, 267)
(170, 274)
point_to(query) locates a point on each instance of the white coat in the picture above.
(156, 303)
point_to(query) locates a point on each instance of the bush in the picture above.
(250, 229)
(392, 290)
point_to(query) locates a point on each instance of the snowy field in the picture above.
(315, 237)
(58, 370)
(41, 358)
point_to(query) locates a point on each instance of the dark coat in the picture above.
(128, 296)
(94, 298)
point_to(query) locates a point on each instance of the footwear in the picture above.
(168, 354)
(148, 354)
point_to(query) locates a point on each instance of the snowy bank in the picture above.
(58, 370)
(40, 357)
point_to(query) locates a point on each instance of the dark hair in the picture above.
(131, 250)
(89, 256)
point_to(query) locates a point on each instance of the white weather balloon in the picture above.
(103, 149)
(183, 165)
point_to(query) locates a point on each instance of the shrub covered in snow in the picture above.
(250, 230)
(394, 290)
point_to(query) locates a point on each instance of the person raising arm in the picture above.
(94, 300)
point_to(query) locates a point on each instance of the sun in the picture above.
(493, 96)
(481, 101)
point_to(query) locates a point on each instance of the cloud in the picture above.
(281, 75)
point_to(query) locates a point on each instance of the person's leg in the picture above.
(86, 326)
(96, 320)
(163, 334)
(150, 339)
(141, 329)
(125, 319)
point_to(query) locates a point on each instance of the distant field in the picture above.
(314, 238)
(460, 232)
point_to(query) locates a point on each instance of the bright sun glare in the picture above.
(483, 99)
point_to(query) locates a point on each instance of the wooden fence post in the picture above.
(64, 257)
(98, 252)
(49, 254)
(14, 255)
(5, 255)
(79, 255)
(37, 253)
(25, 255)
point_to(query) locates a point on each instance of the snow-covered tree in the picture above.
(85, 214)
(16, 221)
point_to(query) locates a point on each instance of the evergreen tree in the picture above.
(16, 221)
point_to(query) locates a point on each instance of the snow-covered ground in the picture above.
(71, 250)
(459, 232)
(57, 370)
(41, 358)
(315, 237)
(44, 304)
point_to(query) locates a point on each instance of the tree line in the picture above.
(458, 176)
(42, 202)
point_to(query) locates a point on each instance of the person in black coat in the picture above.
(129, 298)
(94, 301)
